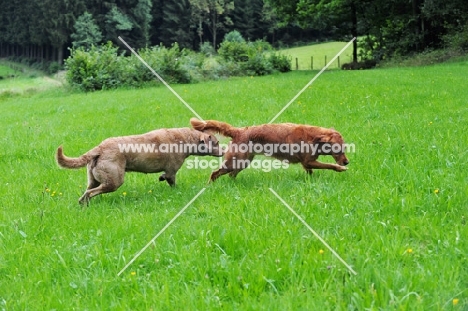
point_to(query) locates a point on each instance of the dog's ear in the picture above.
(206, 138)
(203, 138)
(213, 138)
(322, 138)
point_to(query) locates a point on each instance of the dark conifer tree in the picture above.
(176, 23)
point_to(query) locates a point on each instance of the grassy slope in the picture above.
(319, 51)
(25, 82)
(237, 246)
(6, 71)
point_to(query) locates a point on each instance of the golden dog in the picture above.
(108, 162)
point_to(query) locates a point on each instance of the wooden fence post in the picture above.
(297, 64)
(311, 63)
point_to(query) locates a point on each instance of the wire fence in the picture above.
(318, 62)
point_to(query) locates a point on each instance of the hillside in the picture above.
(318, 52)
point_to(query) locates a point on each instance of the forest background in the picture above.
(44, 31)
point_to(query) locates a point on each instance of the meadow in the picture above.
(318, 55)
(397, 216)
(21, 80)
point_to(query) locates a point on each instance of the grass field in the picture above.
(321, 54)
(15, 82)
(397, 216)
(6, 71)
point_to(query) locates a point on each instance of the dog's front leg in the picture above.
(218, 173)
(323, 166)
(309, 171)
(169, 178)
(232, 165)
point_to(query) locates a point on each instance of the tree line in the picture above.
(46, 29)
(384, 28)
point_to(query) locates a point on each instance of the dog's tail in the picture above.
(66, 162)
(222, 128)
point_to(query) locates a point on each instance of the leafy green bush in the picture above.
(214, 68)
(96, 69)
(252, 57)
(281, 63)
(261, 46)
(234, 51)
(257, 65)
(191, 63)
(171, 61)
(104, 68)
(167, 62)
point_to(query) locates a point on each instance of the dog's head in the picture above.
(332, 143)
(208, 144)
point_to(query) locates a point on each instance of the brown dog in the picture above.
(287, 137)
(153, 152)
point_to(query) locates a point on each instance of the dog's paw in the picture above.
(340, 168)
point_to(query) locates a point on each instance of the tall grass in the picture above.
(398, 215)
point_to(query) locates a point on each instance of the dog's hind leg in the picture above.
(110, 177)
(92, 182)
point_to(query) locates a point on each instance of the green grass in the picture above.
(321, 54)
(397, 216)
(6, 71)
(21, 80)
